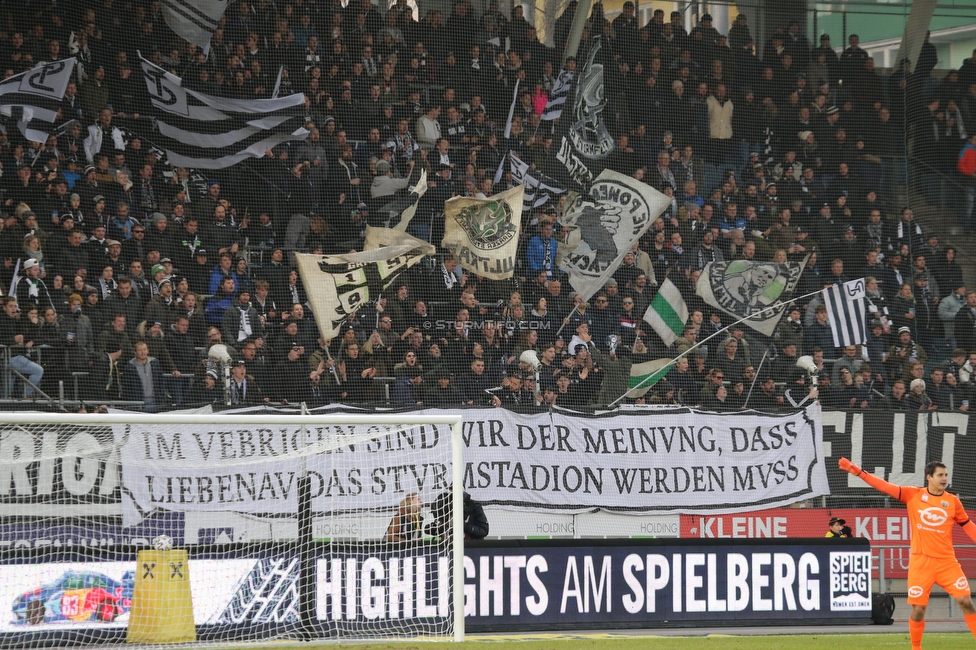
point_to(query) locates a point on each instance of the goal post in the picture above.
(315, 526)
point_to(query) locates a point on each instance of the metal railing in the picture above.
(950, 185)
(26, 382)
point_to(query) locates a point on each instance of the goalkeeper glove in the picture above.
(848, 466)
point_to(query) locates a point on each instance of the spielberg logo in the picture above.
(850, 581)
(915, 591)
(962, 583)
(933, 516)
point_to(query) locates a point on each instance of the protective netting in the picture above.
(316, 528)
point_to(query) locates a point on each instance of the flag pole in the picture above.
(711, 336)
(755, 377)
(567, 319)
(580, 18)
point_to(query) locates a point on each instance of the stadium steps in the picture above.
(948, 226)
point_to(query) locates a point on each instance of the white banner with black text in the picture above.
(677, 460)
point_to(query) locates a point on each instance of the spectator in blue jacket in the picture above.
(406, 390)
(221, 301)
(541, 251)
(223, 269)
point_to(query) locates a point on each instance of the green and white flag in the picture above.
(667, 313)
(644, 375)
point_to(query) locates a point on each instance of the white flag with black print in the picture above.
(558, 95)
(539, 188)
(33, 97)
(338, 285)
(194, 20)
(603, 226)
(206, 132)
(846, 312)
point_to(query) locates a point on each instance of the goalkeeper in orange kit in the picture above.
(931, 513)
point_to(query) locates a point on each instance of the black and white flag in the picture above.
(558, 95)
(34, 97)
(194, 20)
(603, 227)
(583, 141)
(846, 312)
(207, 132)
(539, 188)
(338, 285)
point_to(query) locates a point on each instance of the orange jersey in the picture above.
(931, 518)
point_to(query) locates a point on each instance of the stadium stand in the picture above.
(769, 151)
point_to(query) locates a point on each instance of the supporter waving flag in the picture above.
(557, 98)
(539, 188)
(338, 285)
(483, 234)
(207, 132)
(846, 312)
(194, 20)
(758, 292)
(583, 142)
(34, 97)
(667, 313)
(644, 375)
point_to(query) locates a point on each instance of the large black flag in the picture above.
(583, 142)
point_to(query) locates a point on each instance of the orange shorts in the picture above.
(924, 571)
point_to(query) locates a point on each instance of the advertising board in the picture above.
(562, 584)
(79, 595)
(886, 528)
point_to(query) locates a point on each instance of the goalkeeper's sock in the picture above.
(971, 623)
(915, 631)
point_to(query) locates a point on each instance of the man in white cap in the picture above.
(31, 289)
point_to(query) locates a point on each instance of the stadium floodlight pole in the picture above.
(576, 30)
(727, 328)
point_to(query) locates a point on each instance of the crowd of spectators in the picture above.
(130, 271)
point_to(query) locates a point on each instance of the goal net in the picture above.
(238, 527)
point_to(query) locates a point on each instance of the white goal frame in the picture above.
(407, 419)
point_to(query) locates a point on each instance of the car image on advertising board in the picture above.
(98, 595)
(76, 596)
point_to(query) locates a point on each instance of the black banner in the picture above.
(583, 141)
(896, 446)
(625, 583)
(377, 589)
